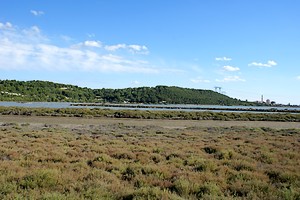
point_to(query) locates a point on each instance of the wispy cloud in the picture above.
(6, 25)
(90, 43)
(66, 38)
(200, 80)
(36, 12)
(223, 59)
(136, 83)
(29, 49)
(231, 79)
(231, 68)
(34, 30)
(133, 48)
(137, 48)
(115, 47)
(298, 77)
(270, 63)
(91, 35)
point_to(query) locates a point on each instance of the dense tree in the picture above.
(12, 90)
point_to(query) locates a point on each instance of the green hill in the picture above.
(12, 90)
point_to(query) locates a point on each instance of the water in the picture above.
(36, 104)
(155, 107)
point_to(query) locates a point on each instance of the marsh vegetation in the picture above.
(150, 114)
(138, 160)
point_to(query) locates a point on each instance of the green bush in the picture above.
(40, 179)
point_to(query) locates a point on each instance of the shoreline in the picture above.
(188, 107)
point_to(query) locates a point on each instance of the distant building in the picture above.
(268, 101)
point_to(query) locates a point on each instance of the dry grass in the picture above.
(145, 161)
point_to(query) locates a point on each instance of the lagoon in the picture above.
(185, 107)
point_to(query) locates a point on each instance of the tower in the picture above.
(218, 88)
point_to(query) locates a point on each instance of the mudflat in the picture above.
(164, 123)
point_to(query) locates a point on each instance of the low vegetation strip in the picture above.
(139, 114)
(120, 161)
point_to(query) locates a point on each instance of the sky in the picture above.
(248, 48)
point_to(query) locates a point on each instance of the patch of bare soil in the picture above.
(70, 122)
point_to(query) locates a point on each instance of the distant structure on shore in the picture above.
(218, 89)
(268, 101)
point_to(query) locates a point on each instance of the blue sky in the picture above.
(249, 48)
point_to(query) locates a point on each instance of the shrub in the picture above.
(243, 166)
(128, 174)
(210, 150)
(266, 158)
(238, 189)
(7, 188)
(40, 179)
(182, 187)
(152, 193)
(208, 189)
(279, 178)
(200, 167)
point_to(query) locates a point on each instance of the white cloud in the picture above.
(28, 49)
(115, 47)
(36, 12)
(35, 30)
(200, 80)
(6, 25)
(231, 79)
(133, 48)
(223, 59)
(298, 77)
(270, 63)
(90, 43)
(137, 47)
(33, 34)
(87, 43)
(231, 68)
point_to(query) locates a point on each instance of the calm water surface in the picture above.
(184, 107)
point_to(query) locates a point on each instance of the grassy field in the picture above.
(79, 158)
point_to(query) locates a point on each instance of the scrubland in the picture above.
(139, 160)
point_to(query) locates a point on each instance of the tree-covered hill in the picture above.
(12, 90)
(165, 94)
